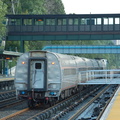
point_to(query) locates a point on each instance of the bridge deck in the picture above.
(83, 49)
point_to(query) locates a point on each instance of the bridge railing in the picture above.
(66, 28)
(100, 77)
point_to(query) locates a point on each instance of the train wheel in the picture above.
(52, 103)
(31, 103)
(46, 104)
(62, 96)
(73, 91)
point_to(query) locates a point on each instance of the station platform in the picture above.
(6, 83)
(6, 78)
(112, 112)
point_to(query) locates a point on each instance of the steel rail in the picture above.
(88, 104)
(14, 114)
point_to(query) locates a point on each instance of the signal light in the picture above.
(7, 58)
(40, 20)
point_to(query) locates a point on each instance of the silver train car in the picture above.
(46, 77)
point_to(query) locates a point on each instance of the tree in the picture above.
(3, 11)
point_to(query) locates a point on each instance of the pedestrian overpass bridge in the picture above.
(99, 77)
(75, 49)
(64, 27)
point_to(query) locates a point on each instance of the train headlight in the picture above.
(23, 62)
(53, 63)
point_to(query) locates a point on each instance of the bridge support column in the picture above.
(22, 46)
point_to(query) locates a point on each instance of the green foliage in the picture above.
(31, 7)
(54, 7)
(3, 11)
(35, 6)
(12, 46)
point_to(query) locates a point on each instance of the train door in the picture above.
(37, 75)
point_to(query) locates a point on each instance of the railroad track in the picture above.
(8, 98)
(7, 94)
(12, 109)
(59, 110)
(8, 101)
(80, 114)
(42, 113)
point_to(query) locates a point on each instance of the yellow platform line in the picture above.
(114, 113)
(6, 79)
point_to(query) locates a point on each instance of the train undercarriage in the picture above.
(38, 98)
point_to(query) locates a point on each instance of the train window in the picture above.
(64, 22)
(14, 21)
(70, 21)
(110, 20)
(99, 21)
(69, 71)
(105, 21)
(117, 21)
(39, 21)
(27, 21)
(18, 21)
(47, 21)
(11, 22)
(38, 65)
(50, 21)
(93, 21)
(88, 21)
(76, 21)
(59, 21)
(82, 21)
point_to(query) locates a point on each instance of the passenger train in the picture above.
(46, 77)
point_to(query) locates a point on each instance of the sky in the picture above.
(91, 6)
